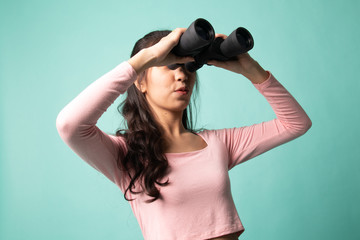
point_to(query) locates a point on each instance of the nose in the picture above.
(180, 74)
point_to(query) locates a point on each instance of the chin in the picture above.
(179, 108)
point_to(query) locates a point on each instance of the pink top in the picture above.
(197, 204)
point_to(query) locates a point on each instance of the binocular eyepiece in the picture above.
(199, 42)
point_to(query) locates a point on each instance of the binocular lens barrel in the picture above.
(238, 42)
(199, 35)
(199, 42)
(242, 33)
(204, 30)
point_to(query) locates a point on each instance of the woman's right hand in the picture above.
(162, 50)
(160, 53)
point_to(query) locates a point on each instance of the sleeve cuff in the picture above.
(266, 83)
(130, 69)
(124, 75)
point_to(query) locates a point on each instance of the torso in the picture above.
(188, 143)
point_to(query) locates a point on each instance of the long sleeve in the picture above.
(76, 122)
(244, 143)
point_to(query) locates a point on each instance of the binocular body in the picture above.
(199, 42)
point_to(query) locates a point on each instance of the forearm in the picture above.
(287, 109)
(88, 106)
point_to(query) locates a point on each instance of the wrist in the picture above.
(142, 60)
(256, 74)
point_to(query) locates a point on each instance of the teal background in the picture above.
(51, 50)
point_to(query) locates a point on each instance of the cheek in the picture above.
(160, 87)
(158, 93)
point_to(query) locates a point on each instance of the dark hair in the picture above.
(144, 137)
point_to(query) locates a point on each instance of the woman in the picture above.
(175, 179)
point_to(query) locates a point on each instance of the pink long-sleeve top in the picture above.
(197, 204)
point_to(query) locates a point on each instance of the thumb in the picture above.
(216, 63)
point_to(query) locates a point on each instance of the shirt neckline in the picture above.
(192, 152)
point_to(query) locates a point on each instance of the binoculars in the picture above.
(199, 42)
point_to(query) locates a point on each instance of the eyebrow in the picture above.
(175, 65)
(182, 65)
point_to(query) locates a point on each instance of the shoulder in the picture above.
(211, 133)
(217, 132)
(225, 135)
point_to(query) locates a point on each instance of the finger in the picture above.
(216, 63)
(220, 35)
(182, 30)
(178, 31)
(176, 34)
(184, 59)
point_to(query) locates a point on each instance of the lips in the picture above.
(183, 89)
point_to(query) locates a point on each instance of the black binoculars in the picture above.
(199, 42)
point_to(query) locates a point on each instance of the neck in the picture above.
(171, 123)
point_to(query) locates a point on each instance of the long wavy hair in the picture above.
(145, 156)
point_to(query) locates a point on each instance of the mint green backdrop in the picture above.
(51, 50)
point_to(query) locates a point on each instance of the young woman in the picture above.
(174, 177)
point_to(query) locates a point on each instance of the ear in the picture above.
(141, 86)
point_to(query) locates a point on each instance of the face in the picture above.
(161, 83)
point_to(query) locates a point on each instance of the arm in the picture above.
(247, 142)
(292, 121)
(76, 122)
